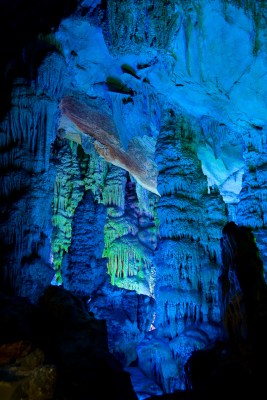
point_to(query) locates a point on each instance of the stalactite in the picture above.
(113, 195)
(27, 132)
(12, 184)
(114, 191)
(8, 159)
(251, 209)
(117, 228)
(31, 123)
(215, 133)
(128, 232)
(146, 201)
(95, 170)
(126, 258)
(185, 288)
(51, 75)
(83, 268)
(69, 188)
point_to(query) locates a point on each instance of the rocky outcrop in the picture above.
(83, 268)
(128, 310)
(92, 120)
(130, 238)
(251, 209)
(128, 317)
(57, 351)
(233, 366)
(187, 312)
(27, 181)
(68, 191)
(171, 100)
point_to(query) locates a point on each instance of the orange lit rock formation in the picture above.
(100, 126)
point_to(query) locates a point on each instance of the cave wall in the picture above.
(141, 132)
(27, 182)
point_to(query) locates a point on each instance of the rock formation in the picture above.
(234, 366)
(131, 133)
(56, 350)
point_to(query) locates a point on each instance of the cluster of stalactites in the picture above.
(29, 125)
(68, 191)
(190, 238)
(215, 134)
(146, 202)
(126, 260)
(127, 232)
(113, 193)
(118, 228)
(252, 210)
(127, 257)
(26, 134)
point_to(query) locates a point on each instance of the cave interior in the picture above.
(133, 198)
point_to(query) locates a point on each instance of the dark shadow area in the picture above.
(25, 26)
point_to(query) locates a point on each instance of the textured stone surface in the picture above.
(128, 316)
(83, 269)
(27, 183)
(118, 94)
(234, 365)
(91, 119)
(65, 355)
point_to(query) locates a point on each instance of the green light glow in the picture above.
(76, 172)
(113, 195)
(127, 258)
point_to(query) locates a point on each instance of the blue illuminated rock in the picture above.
(135, 131)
